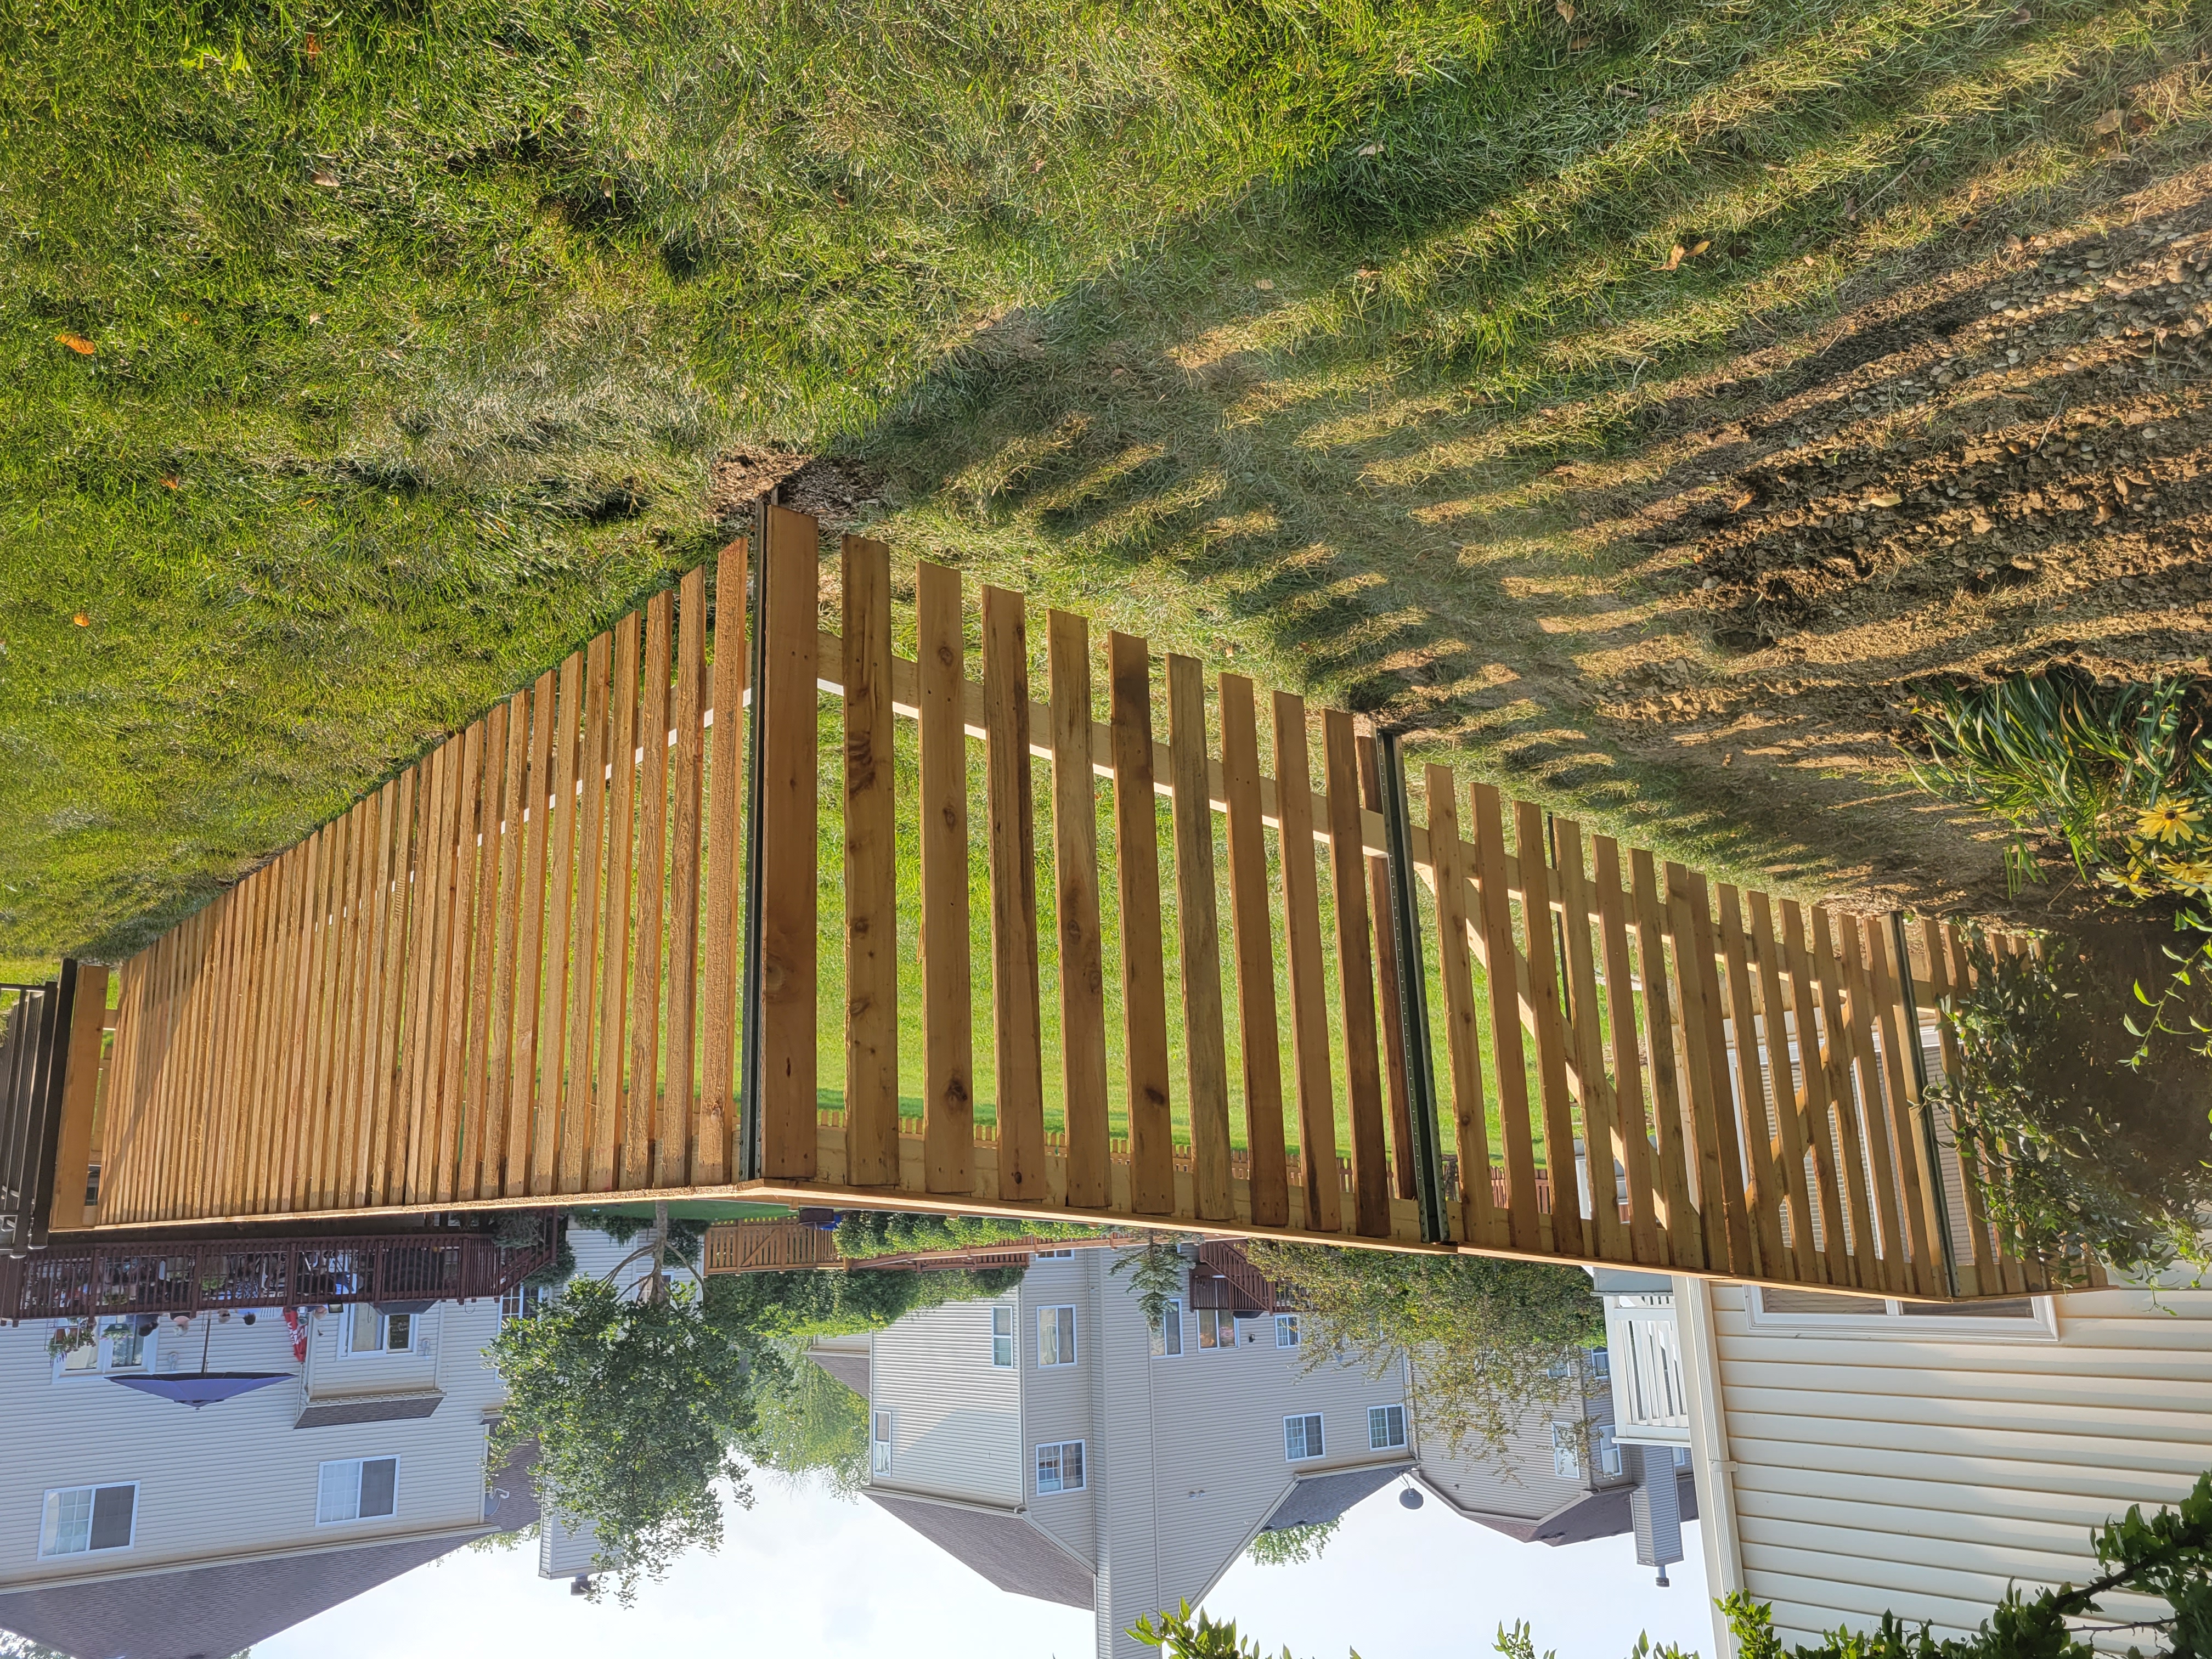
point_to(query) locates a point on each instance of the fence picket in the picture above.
(871, 1130)
(1198, 926)
(1310, 1037)
(1144, 972)
(1268, 1182)
(948, 1021)
(1075, 868)
(1362, 1077)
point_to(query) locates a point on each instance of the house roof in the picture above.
(1319, 1498)
(1600, 1514)
(849, 1366)
(208, 1612)
(1005, 1549)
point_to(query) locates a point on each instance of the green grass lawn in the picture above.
(415, 332)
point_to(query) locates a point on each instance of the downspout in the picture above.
(1711, 1463)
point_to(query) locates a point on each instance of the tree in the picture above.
(1180, 1635)
(1285, 1546)
(1488, 1339)
(806, 1424)
(864, 1233)
(633, 1405)
(686, 1236)
(1156, 1269)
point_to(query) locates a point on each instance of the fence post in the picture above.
(748, 1159)
(1413, 991)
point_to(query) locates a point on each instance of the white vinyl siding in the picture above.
(954, 1416)
(1060, 1467)
(1056, 1336)
(80, 1519)
(357, 1489)
(1386, 1427)
(1302, 1437)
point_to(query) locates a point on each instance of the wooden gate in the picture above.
(1137, 949)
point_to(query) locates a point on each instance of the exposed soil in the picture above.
(838, 491)
(2000, 466)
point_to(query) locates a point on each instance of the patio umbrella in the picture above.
(205, 1388)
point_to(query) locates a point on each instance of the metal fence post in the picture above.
(1412, 990)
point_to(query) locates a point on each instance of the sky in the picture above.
(805, 1571)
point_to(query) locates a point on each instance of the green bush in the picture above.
(864, 1233)
(2086, 1135)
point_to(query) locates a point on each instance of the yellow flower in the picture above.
(2169, 821)
(2195, 872)
(2132, 881)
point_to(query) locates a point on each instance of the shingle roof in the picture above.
(847, 1366)
(1320, 1498)
(1005, 1549)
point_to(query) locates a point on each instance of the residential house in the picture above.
(1856, 1455)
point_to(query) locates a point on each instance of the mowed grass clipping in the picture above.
(360, 363)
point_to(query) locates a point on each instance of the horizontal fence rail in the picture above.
(1043, 925)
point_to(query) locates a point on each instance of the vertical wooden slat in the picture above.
(1536, 895)
(1075, 870)
(871, 1144)
(1205, 1041)
(1586, 1029)
(1685, 1232)
(530, 1104)
(1309, 1039)
(1788, 1100)
(1712, 1121)
(1391, 1015)
(1502, 954)
(268, 1042)
(1872, 1109)
(1143, 975)
(422, 911)
(1817, 1104)
(1629, 1121)
(642, 1158)
(678, 1160)
(1762, 1187)
(1362, 1076)
(362, 1024)
(228, 1065)
(1015, 997)
(788, 807)
(1480, 1222)
(1249, 907)
(718, 1010)
(1835, 1061)
(505, 1133)
(389, 1110)
(227, 969)
(612, 1156)
(1900, 1036)
(580, 1154)
(1943, 987)
(299, 1084)
(478, 1160)
(948, 1020)
(468, 837)
(345, 1066)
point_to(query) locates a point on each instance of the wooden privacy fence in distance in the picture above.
(526, 967)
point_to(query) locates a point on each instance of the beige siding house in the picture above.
(1855, 1455)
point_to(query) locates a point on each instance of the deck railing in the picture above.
(580, 949)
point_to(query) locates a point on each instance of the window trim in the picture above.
(94, 1487)
(1053, 1311)
(103, 1361)
(357, 1518)
(347, 1317)
(1009, 1336)
(1082, 1466)
(2041, 1324)
(1403, 1443)
(1577, 1430)
(1159, 1337)
(1318, 1452)
(882, 1448)
(1290, 1322)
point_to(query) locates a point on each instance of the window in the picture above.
(1601, 1364)
(1056, 1336)
(1302, 1437)
(366, 1331)
(1167, 1340)
(118, 1347)
(1060, 1467)
(880, 1443)
(1567, 1451)
(1002, 1336)
(357, 1489)
(521, 1302)
(1386, 1427)
(1286, 1330)
(1216, 1327)
(1053, 1256)
(1608, 1451)
(79, 1519)
(2000, 1319)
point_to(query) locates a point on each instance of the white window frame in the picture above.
(1074, 1345)
(357, 1517)
(1378, 1419)
(1566, 1449)
(1002, 1342)
(1286, 1324)
(103, 1364)
(2040, 1325)
(1059, 1447)
(1167, 1340)
(1605, 1451)
(1052, 1255)
(883, 1436)
(95, 1488)
(1312, 1452)
(347, 1316)
(518, 1302)
(1224, 1321)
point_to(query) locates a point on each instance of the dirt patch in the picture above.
(842, 494)
(2005, 466)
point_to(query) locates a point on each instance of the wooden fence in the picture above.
(519, 971)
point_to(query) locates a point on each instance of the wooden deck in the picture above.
(519, 970)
